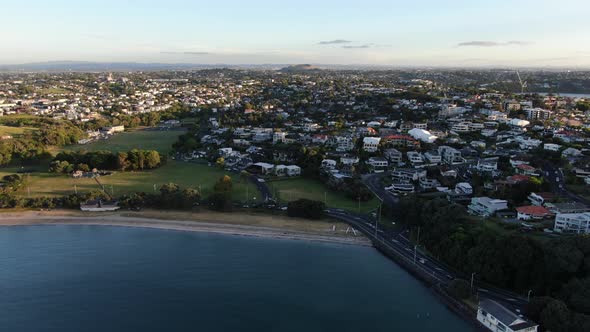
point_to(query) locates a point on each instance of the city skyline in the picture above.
(380, 33)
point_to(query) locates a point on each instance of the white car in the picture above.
(260, 180)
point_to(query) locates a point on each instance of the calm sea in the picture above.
(102, 278)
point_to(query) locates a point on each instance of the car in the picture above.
(260, 180)
(422, 260)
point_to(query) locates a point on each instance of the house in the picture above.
(432, 157)
(379, 164)
(278, 137)
(427, 184)
(415, 157)
(393, 155)
(526, 170)
(570, 207)
(572, 223)
(532, 212)
(463, 188)
(344, 144)
(571, 152)
(407, 174)
(485, 206)
(371, 144)
(293, 170)
(328, 164)
(498, 318)
(261, 168)
(402, 188)
(487, 165)
(450, 155)
(349, 161)
(551, 147)
(537, 114)
(401, 141)
(540, 198)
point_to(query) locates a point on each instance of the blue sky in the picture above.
(379, 32)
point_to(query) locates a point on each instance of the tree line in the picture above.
(134, 160)
(556, 268)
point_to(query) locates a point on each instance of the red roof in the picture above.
(526, 167)
(399, 137)
(533, 210)
(518, 178)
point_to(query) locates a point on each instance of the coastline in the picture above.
(243, 226)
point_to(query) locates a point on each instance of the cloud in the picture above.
(186, 52)
(486, 43)
(334, 42)
(357, 46)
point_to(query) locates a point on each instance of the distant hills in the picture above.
(300, 68)
(84, 66)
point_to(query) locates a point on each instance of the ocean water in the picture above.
(106, 278)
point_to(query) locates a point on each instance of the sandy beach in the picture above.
(238, 224)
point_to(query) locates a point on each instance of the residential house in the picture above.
(532, 212)
(371, 144)
(415, 158)
(407, 174)
(433, 157)
(497, 318)
(572, 223)
(539, 199)
(450, 155)
(485, 206)
(393, 155)
(379, 164)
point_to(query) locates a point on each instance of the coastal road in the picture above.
(399, 243)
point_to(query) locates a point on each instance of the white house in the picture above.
(371, 144)
(329, 163)
(415, 157)
(551, 147)
(393, 155)
(379, 164)
(450, 155)
(433, 157)
(532, 212)
(498, 318)
(485, 206)
(463, 188)
(572, 223)
(344, 144)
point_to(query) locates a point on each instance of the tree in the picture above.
(460, 289)
(152, 159)
(305, 208)
(223, 185)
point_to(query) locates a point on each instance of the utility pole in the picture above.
(418, 239)
(472, 275)
(528, 296)
(415, 251)
(325, 198)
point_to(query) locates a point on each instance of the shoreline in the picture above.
(30, 218)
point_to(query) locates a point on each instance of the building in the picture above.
(532, 212)
(379, 164)
(487, 164)
(371, 144)
(450, 155)
(344, 144)
(415, 157)
(422, 135)
(498, 318)
(537, 114)
(540, 199)
(402, 141)
(572, 223)
(279, 137)
(463, 188)
(393, 155)
(407, 174)
(485, 206)
(433, 157)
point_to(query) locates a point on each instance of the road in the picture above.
(373, 182)
(557, 180)
(265, 192)
(399, 243)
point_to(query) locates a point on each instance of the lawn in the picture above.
(160, 140)
(293, 189)
(184, 174)
(13, 131)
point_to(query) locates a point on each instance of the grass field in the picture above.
(13, 131)
(292, 189)
(160, 140)
(184, 174)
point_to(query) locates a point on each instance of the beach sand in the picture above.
(239, 224)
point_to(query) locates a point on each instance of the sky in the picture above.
(467, 33)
